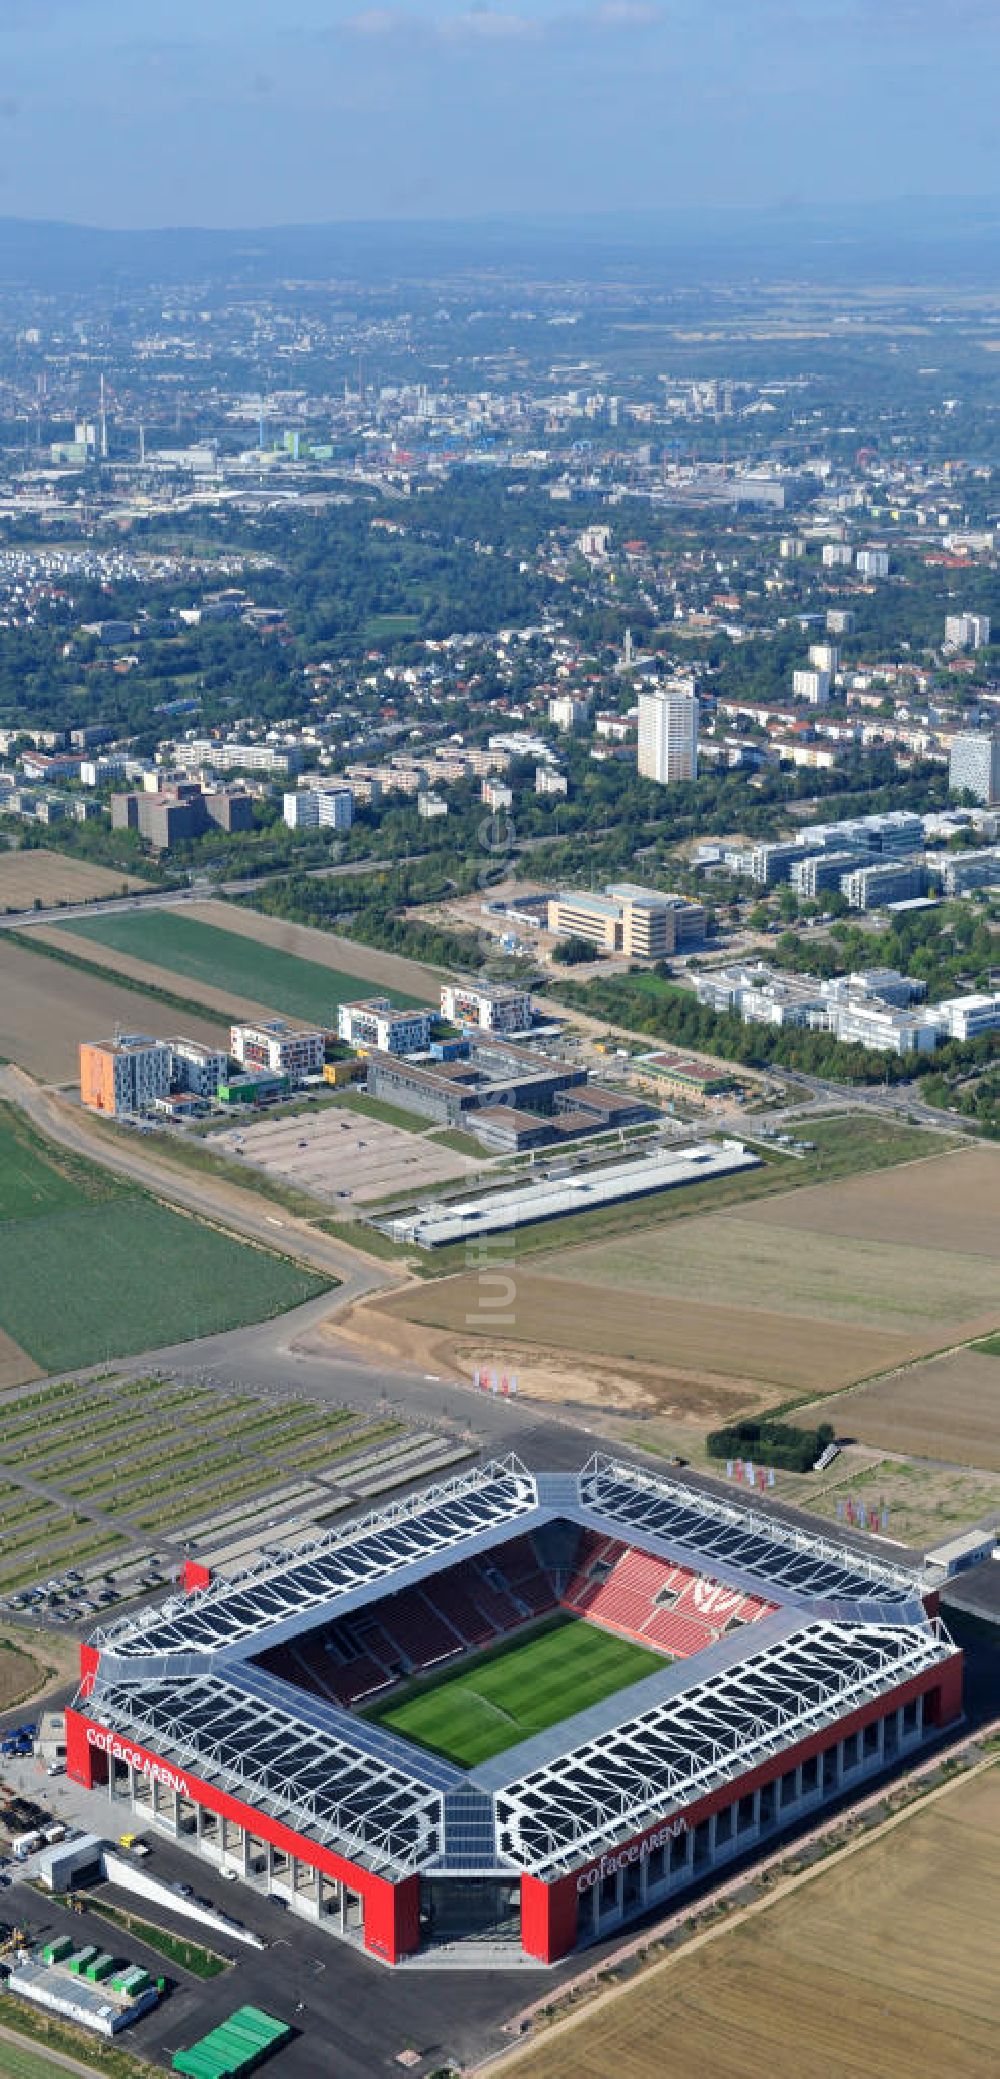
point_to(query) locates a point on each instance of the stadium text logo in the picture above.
(610, 1865)
(119, 1751)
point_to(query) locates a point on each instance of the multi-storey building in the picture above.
(668, 735)
(812, 685)
(872, 562)
(640, 922)
(171, 815)
(498, 1009)
(375, 1022)
(871, 887)
(961, 871)
(286, 1050)
(967, 631)
(974, 767)
(314, 808)
(124, 1076)
(196, 1068)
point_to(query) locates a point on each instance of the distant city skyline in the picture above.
(246, 112)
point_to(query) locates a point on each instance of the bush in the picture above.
(775, 1443)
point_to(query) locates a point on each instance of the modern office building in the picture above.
(286, 1050)
(196, 1068)
(374, 1022)
(643, 923)
(668, 735)
(124, 1076)
(872, 887)
(501, 1009)
(974, 766)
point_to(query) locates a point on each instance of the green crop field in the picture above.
(75, 1289)
(228, 960)
(470, 1712)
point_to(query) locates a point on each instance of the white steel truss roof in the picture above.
(363, 1554)
(184, 1681)
(785, 1556)
(327, 1789)
(718, 1730)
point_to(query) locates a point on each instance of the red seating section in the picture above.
(478, 1601)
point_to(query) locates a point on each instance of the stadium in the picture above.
(516, 1709)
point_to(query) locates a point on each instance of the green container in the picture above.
(57, 1951)
(78, 1963)
(101, 1968)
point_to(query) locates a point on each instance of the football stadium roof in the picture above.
(841, 1627)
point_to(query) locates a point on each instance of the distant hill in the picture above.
(915, 241)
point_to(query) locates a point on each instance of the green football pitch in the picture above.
(472, 1710)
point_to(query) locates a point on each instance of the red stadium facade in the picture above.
(777, 1719)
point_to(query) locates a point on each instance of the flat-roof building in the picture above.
(124, 1076)
(374, 1022)
(286, 1050)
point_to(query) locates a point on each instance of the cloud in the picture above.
(488, 25)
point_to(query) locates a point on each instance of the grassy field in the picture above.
(20, 1676)
(884, 1961)
(46, 2031)
(469, 1713)
(138, 1277)
(248, 967)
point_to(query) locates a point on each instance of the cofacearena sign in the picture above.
(119, 1750)
(610, 1865)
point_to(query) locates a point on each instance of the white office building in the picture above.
(499, 1009)
(374, 1022)
(668, 735)
(196, 1068)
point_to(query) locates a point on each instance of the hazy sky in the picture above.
(137, 112)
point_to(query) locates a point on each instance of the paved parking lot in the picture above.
(343, 1155)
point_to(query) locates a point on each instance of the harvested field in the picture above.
(30, 876)
(882, 1962)
(947, 1408)
(337, 1154)
(948, 1202)
(16, 1367)
(787, 1352)
(47, 1009)
(914, 1292)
